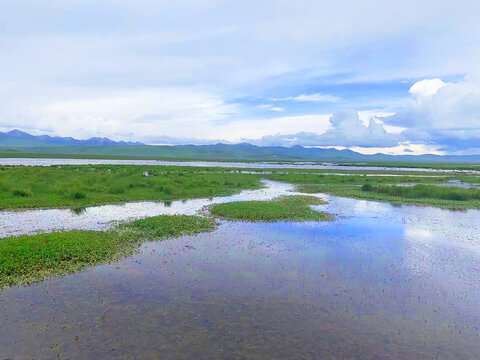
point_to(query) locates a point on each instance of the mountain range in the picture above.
(17, 144)
(21, 139)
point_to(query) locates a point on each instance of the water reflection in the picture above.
(78, 210)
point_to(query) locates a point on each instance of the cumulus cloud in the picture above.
(424, 90)
(310, 98)
(346, 129)
(270, 107)
(446, 114)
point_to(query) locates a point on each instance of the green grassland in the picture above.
(286, 208)
(29, 258)
(77, 186)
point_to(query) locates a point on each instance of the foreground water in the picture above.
(381, 282)
(224, 164)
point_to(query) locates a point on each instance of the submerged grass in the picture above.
(286, 208)
(29, 258)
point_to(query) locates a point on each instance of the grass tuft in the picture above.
(21, 193)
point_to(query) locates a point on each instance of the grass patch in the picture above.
(286, 208)
(29, 258)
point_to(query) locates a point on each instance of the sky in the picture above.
(398, 77)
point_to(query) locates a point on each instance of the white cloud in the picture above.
(270, 107)
(403, 148)
(446, 114)
(346, 129)
(244, 130)
(310, 98)
(426, 89)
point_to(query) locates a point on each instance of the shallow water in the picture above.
(248, 165)
(380, 282)
(21, 222)
(459, 183)
(450, 183)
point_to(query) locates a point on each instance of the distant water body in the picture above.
(247, 165)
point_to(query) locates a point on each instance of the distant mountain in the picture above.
(17, 144)
(23, 139)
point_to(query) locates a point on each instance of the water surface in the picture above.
(381, 282)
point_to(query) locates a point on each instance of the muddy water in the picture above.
(14, 223)
(381, 282)
(247, 165)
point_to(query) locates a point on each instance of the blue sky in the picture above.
(394, 77)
